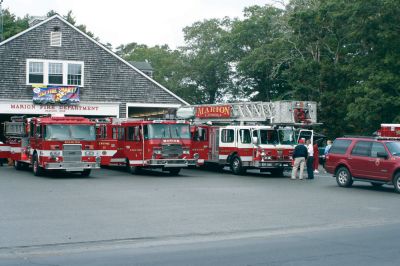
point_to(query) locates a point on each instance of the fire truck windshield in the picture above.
(286, 136)
(275, 137)
(167, 131)
(70, 132)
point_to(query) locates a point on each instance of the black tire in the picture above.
(343, 177)
(236, 166)
(277, 172)
(18, 165)
(37, 169)
(174, 171)
(134, 170)
(86, 172)
(374, 184)
(396, 182)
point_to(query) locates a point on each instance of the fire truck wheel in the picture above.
(174, 171)
(86, 172)
(236, 166)
(134, 170)
(343, 177)
(18, 165)
(37, 170)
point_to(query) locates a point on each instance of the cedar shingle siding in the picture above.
(106, 78)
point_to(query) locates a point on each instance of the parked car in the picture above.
(364, 159)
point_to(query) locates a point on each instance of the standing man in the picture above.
(326, 151)
(310, 159)
(299, 157)
(328, 146)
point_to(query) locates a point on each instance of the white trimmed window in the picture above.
(55, 38)
(74, 74)
(35, 72)
(54, 72)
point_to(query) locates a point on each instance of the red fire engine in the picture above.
(389, 131)
(249, 135)
(137, 144)
(53, 143)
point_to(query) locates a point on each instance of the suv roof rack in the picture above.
(359, 137)
(371, 137)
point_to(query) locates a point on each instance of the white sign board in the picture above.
(94, 109)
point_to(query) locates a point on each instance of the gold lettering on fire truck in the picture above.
(72, 142)
(213, 111)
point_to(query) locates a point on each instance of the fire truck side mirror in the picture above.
(255, 140)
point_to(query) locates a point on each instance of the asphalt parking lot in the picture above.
(112, 206)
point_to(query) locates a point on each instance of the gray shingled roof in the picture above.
(142, 66)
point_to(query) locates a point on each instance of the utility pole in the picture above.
(1, 21)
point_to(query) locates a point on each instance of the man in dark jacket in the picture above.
(300, 154)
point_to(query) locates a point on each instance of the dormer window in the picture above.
(55, 38)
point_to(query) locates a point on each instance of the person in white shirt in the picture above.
(310, 159)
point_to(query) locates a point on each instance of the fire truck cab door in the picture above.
(305, 134)
(214, 144)
(245, 144)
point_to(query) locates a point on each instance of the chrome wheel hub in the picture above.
(342, 176)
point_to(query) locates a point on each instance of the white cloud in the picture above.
(148, 22)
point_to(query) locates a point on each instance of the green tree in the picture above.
(167, 64)
(13, 25)
(208, 71)
(257, 48)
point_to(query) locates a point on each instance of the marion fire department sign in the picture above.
(213, 111)
(96, 109)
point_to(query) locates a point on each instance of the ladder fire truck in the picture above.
(138, 144)
(389, 131)
(249, 135)
(53, 143)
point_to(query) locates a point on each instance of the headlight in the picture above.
(186, 151)
(196, 156)
(89, 153)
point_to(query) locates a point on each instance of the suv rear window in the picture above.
(340, 146)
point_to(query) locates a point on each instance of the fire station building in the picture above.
(54, 68)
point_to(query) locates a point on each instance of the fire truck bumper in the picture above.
(167, 163)
(72, 166)
(273, 164)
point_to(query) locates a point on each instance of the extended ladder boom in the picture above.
(277, 112)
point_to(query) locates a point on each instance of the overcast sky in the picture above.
(148, 22)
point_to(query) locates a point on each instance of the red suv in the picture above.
(364, 159)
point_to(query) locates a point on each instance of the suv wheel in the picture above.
(343, 177)
(396, 182)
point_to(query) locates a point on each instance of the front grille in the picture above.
(72, 153)
(171, 150)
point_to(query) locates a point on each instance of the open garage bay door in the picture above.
(152, 111)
